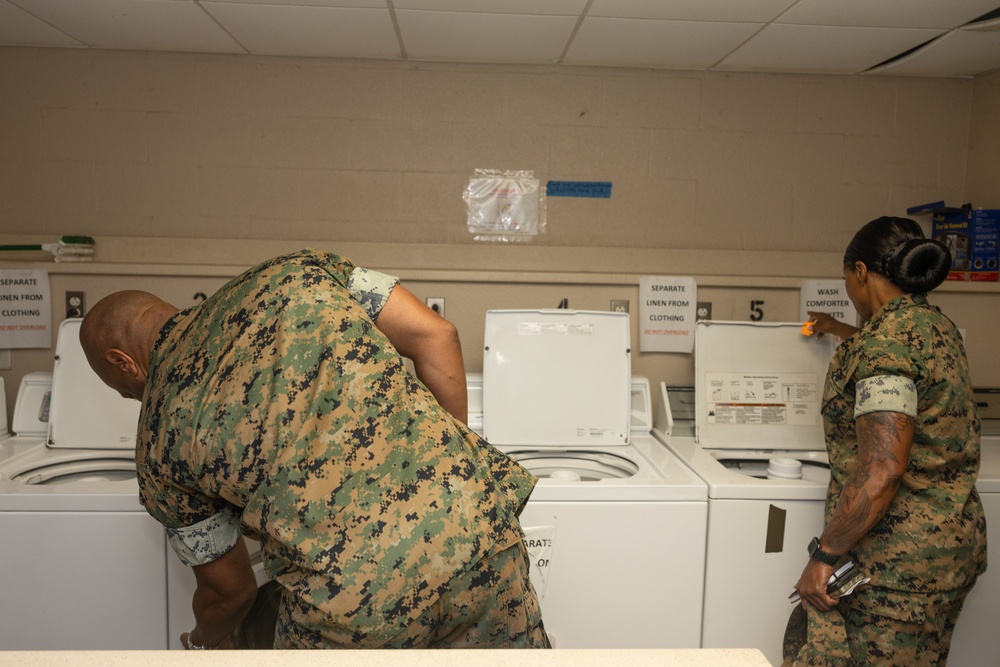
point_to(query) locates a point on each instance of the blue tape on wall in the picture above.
(596, 189)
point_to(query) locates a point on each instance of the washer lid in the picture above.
(759, 385)
(31, 411)
(556, 378)
(85, 412)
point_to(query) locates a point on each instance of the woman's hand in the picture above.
(823, 323)
(812, 585)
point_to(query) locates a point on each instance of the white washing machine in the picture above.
(757, 399)
(616, 524)
(976, 641)
(83, 565)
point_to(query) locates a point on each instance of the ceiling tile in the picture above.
(489, 38)
(548, 7)
(957, 53)
(944, 14)
(649, 43)
(18, 28)
(759, 11)
(311, 31)
(822, 49)
(150, 25)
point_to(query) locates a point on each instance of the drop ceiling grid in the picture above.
(801, 36)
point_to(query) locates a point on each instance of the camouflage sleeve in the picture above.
(371, 289)
(886, 377)
(206, 540)
(167, 502)
(886, 393)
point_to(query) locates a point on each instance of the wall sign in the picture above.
(25, 309)
(826, 296)
(667, 312)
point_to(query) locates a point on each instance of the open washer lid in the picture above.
(556, 378)
(31, 411)
(759, 385)
(85, 413)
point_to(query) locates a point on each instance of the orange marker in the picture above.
(807, 328)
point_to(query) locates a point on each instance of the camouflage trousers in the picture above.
(490, 605)
(880, 628)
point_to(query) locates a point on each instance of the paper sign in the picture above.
(539, 542)
(25, 309)
(827, 296)
(667, 306)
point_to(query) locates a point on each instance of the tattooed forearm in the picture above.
(851, 521)
(884, 440)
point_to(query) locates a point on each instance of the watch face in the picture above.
(817, 553)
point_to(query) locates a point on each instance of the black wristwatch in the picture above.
(816, 553)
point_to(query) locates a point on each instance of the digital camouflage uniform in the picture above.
(277, 408)
(924, 555)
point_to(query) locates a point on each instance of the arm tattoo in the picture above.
(878, 434)
(869, 489)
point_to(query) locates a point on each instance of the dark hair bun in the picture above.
(918, 265)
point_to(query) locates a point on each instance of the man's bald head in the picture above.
(118, 336)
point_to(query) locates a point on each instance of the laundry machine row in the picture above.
(616, 522)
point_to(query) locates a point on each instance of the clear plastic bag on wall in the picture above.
(505, 206)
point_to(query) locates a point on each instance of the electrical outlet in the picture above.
(4, 360)
(619, 305)
(76, 304)
(436, 303)
(704, 310)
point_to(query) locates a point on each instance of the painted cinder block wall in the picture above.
(188, 168)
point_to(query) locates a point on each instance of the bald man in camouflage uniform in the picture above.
(280, 407)
(897, 397)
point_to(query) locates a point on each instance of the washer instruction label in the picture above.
(763, 399)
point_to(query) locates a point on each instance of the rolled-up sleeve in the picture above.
(206, 540)
(886, 393)
(371, 289)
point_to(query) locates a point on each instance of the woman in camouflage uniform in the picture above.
(902, 434)
(281, 408)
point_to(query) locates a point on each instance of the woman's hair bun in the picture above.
(918, 265)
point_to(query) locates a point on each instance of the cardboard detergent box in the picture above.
(972, 237)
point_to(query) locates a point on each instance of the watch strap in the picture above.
(816, 553)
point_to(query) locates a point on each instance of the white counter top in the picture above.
(412, 658)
